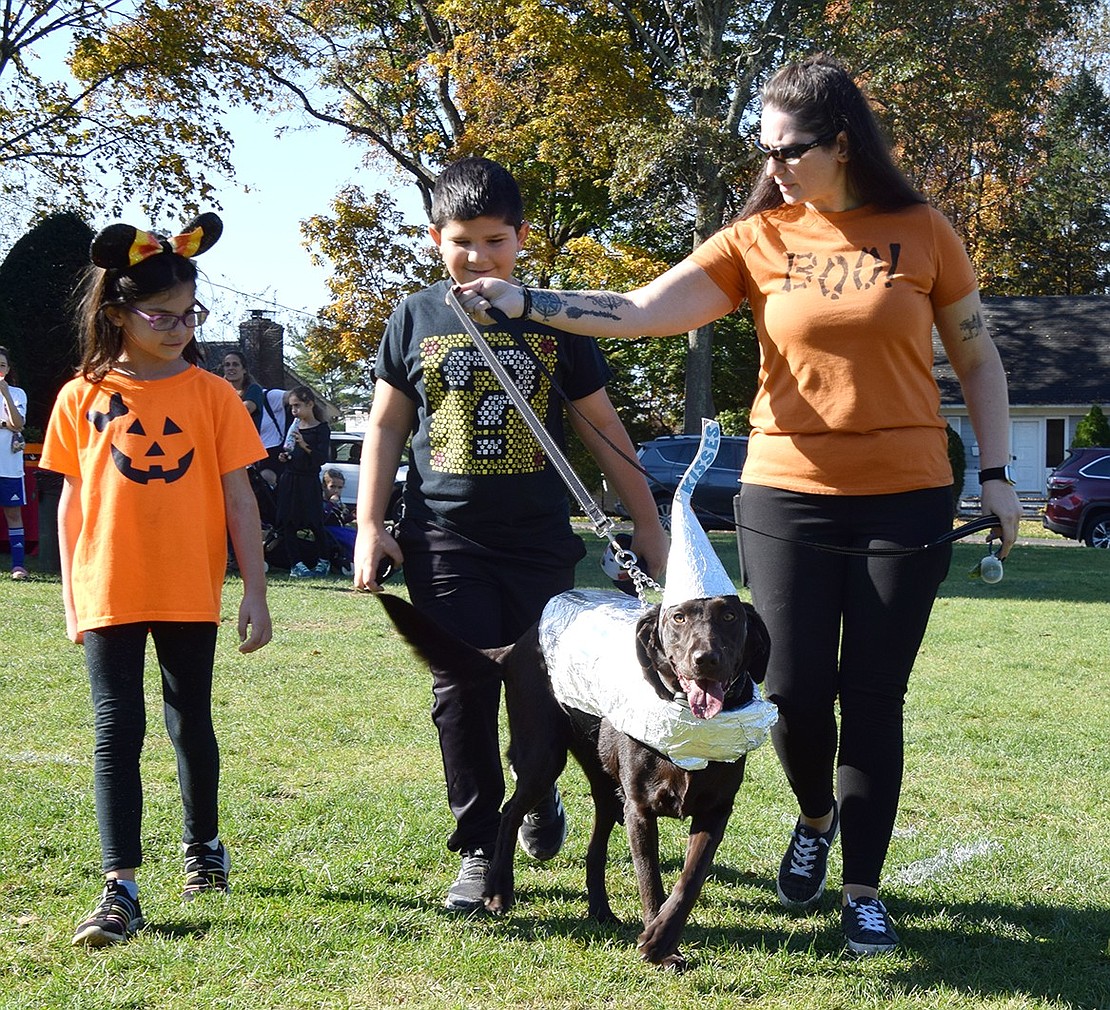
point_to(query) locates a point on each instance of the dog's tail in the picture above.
(441, 650)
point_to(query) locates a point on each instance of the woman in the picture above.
(250, 392)
(847, 270)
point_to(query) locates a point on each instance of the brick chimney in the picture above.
(263, 341)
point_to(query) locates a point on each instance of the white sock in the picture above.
(213, 845)
(130, 886)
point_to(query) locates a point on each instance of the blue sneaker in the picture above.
(867, 928)
(801, 879)
(301, 571)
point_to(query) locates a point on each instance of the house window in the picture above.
(1054, 442)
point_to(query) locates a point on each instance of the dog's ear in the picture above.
(757, 649)
(649, 653)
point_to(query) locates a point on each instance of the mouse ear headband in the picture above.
(120, 246)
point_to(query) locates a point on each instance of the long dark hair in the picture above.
(824, 100)
(305, 395)
(247, 377)
(101, 339)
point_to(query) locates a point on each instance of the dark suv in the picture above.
(666, 459)
(1078, 503)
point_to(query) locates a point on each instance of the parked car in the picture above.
(1078, 503)
(666, 458)
(345, 455)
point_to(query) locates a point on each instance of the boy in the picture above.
(486, 539)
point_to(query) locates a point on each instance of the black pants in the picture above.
(487, 598)
(844, 629)
(114, 656)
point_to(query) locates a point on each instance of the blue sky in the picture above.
(279, 182)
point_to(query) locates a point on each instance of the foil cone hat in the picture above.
(694, 571)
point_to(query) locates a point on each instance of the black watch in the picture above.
(996, 473)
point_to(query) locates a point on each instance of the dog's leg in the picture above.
(658, 943)
(643, 839)
(607, 811)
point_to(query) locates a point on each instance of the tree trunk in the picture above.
(699, 376)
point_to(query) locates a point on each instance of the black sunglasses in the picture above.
(791, 153)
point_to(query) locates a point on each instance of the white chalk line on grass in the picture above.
(33, 758)
(945, 861)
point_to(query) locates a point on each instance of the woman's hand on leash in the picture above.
(477, 297)
(1001, 499)
(255, 627)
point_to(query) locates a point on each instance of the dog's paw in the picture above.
(499, 904)
(675, 962)
(604, 915)
(658, 943)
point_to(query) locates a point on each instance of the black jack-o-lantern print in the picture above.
(141, 454)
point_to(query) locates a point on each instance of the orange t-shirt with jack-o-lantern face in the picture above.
(150, 456)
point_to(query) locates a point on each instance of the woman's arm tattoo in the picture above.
(972, 326)
(548, 304)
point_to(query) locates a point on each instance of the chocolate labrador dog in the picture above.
(710, 650)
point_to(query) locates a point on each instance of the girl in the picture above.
(847, 270)
(300, 505)
(145, 439)
(250, 392)
(13, 496)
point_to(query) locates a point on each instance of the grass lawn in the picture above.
(334, 812)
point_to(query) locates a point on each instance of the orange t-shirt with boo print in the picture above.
(150, 456)
(844, 305)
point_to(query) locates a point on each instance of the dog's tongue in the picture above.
(705, 703)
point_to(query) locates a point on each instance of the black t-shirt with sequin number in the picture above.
(475, 467)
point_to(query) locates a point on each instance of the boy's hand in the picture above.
(255, 628)
(372, 546)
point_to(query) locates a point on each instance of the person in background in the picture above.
(273, 426)
(299, 504)
(847, 270)
(250, 392)
(153, 450)
(13, 494)
(486, 538)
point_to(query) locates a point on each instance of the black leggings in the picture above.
(487, 598)
(114, 656)
(844, 628)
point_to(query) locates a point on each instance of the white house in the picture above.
(1056, 351)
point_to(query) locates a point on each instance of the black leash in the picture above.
(515, 328)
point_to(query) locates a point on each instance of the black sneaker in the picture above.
(544, 829)
(867, 928)
(801, 880)
(205, 870)
(114, 920)
(466, 893)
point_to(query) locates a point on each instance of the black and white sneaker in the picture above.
(205, 870)
(115, 919)
(467, 893)
(802, 872)
(867, 928)
(544, 829)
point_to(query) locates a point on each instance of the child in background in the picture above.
(299, 504)
(486, 535)
(13, 495)
(153, 450)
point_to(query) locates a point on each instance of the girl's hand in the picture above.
(75, 636)
(255, 627)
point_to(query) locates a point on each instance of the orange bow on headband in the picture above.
(120, 246)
